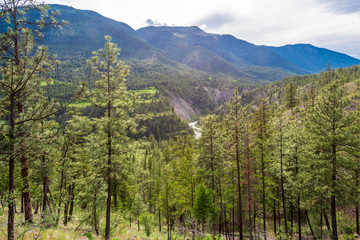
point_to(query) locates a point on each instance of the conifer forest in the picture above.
(98, 153)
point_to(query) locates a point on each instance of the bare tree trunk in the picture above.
(333, 197)
(22, 203)
(45, 187)
(282, 182)
(299, 218)
(60, 194)
(159, 220)
(11, 213)
(233, 219)
(291, 218)
(248, 179)
(308, 220)
(274, 213)
(26, 189)
(263, 191)
(357, 205)
(327, 222)
(72, 196)
(115, 194)
(108, 202)
(94, 214)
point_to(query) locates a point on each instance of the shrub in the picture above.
(147, 220)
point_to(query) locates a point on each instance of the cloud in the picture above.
(149, 22)
(341, 6)
(215, 20)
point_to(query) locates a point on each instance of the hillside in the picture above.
(185, 64)
(313, 59)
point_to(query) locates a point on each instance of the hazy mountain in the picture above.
(212, 52)
(189, 46)
(313, 59)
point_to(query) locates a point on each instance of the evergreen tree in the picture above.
(110, 94)
(290, 96)
(22, 61)
(204, 208)
(235, 124)
(262, 133)
(331, 134)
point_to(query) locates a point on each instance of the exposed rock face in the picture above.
(219, 96)
(183, 108)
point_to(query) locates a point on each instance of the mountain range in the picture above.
(189, 46)
(191, 68)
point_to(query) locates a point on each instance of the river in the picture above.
(196, 129)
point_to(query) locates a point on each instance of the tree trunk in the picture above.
(66, 210)
(263, 191)
(72, 196)
(327, 222)
(333, 197)
(291, 218)
(61, 187)
(22, 202)
(94, 214)
(233, 219)
(115, 194)
(167, 212)
(108, 202)
(45, 188)
(248, 178)
(308, 220)
(11, 213)
(239, 188)
(357, 205)
(282, 182)
(299, 218)
(274, 213)
(298, 198)
(26, 189)
(321, 224)
(159, 220)
(37, 206)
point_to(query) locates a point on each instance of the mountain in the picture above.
(188, 46)
(212, 52)
(313, 59)
(85, 33)
(224, 53)
(186, 64)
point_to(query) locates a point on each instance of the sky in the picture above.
(332, 24)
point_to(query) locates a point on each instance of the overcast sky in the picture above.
(332, 24)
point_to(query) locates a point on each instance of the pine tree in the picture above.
(331, 134)
(204, 207)
(22, 61)
(110, 94)
(262, 133)
(290, 96)
(235, 125)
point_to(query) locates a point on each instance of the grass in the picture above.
(122, 231)
(146, 95)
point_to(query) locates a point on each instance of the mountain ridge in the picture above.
(190, 46)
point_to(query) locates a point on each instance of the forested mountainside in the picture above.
(185, 64)
(109, 161)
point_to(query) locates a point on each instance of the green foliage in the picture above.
(89, 236)
(204, 208)
(147, 220)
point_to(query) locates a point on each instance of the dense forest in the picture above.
(100, 160)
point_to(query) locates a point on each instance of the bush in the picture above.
(147, 220)
(89, 236)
